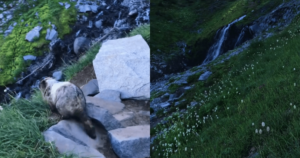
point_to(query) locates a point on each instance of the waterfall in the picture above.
(215, 49)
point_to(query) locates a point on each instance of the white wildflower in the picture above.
(268, 129)
(263, 124)
(260, 131)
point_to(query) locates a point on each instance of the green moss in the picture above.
(194, 77)
(156, 95)
(160, 113)
(15, 46)
(173, 87)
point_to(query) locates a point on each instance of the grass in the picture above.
(14, 46)
(90, 55)
(194, 77)
(22, 124)
(249, 102)
(143, 30)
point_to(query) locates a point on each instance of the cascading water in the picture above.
(215, 50)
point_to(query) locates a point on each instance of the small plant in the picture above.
(143, 30)
(160, 113)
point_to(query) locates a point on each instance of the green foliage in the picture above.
(173, 87)
(71, 70)
(196, 22)
(156, 94)
(258, 86)
(15, 46)
(22, 124)
(160, 113)
(194, 77)
(143, 30)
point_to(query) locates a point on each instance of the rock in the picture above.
(29, 57)
(125, 118)
(193, 103)
(110, 95)
(8, 17)
(104, 117)
(57, 75)
(84, 8)
(94, 8)
(70, 138)
(205, 75)
(84, 18)
(67, 5)
(10, 29)
(34, 33)
(132, 12)
(98, 24)
(91, 88)
(81, 44)
(90, 24)
(77, 33)
(164, 105)
(112, 106)
(124, 65)
(165, 97)
(131, 142)
(51, 34)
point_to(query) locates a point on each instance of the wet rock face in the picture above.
(279, 17)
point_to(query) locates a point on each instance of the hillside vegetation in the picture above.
(197, 21)
(248, 106)
(14, 46)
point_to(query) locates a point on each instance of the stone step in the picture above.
(131, 142)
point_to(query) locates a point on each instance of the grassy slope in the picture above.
(173, 21)
(259, 85)
(21, 126)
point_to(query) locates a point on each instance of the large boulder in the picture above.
(124, 65)
(131, 142)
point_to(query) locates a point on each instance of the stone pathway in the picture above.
(122, 121)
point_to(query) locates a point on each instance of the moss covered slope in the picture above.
(14, 46)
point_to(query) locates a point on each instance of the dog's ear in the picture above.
(43, 84)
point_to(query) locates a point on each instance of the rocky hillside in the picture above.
(241, 99)
(41, 38)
